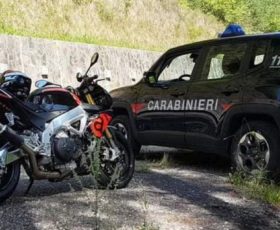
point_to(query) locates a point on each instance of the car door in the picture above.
(162, 120)
(262, 77)
(218, 87)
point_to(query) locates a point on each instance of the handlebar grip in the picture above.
(80, 78)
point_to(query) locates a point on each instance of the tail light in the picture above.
(100, 124)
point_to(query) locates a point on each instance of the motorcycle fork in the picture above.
(90, 100)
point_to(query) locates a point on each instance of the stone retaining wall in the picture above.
(62, 60)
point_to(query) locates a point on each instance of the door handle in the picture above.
(177, 94)
(229, 92)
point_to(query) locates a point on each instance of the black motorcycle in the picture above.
(56, 135)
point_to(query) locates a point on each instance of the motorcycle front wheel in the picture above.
(113, 174)
(9, 180)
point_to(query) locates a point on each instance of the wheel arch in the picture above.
(123, 108)
(242, 113)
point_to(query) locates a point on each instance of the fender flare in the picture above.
(124, 106)
(250, 111)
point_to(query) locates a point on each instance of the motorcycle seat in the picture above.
(33, 107)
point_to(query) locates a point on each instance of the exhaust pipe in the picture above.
(10, 135)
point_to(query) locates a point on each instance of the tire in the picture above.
(9, 181)
(255, 146)
(121, 122)
(104, 179)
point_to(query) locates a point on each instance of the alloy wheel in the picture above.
(253, 151)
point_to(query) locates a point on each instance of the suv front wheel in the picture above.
(121, 122)
(256, 146)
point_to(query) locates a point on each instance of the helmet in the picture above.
(16, 83)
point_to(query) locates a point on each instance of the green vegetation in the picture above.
(257, 186)
(255, 15)
(145, 24)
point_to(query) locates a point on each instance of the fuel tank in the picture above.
(41, 107)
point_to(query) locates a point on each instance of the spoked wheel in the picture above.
(9, 180)
(114, 170)
(256, 148)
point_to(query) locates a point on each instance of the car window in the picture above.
(180, 66)
(223, 61)
(275, 58)
(258, 54)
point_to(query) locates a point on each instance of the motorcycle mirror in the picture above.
(94, 59)
(41, 83)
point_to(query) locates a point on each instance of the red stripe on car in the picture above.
(137, 107)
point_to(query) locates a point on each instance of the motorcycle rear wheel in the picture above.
(117, 174)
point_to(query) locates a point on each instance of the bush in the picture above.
(231, 11)
(265, 15)
(255, 15)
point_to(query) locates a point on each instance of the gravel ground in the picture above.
(194, 194)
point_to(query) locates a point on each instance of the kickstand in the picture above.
(31, 181)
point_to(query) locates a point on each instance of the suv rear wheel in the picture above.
(256, 147)
(121, 122)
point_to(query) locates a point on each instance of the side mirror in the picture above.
(41, 83)
(150, 77)
(94, 59)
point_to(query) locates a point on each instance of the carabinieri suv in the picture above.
(216, 96)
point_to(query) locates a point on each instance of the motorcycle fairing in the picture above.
(48, 122)
(64, 121)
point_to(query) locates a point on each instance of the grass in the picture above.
(257, 187)
(151, 25)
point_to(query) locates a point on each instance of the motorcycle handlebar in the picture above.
(86, 77)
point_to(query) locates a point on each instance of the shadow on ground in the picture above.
(200, 194)
(179, 197)
(183, 158)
